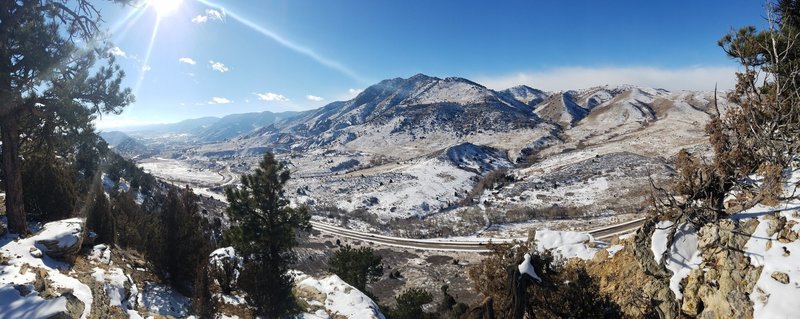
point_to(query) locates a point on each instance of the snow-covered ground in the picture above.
(771, 297)
(22, 257)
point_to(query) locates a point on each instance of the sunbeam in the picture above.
(294, 47)
(121, 27)
(146, 61)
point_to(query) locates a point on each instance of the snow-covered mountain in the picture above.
(405, 110)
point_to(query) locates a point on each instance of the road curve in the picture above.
(478, 245)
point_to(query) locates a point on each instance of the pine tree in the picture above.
(264, 232)
(48, 63)
(186, 242)
(99, 219)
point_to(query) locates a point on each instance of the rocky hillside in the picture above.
(743, 266)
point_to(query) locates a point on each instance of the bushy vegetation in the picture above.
(491, 180)
(356, 266)
(409, 305)
(565, 291)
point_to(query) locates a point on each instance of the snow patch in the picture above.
(527, 268)
(772, 299)
(683, 257)
(658, 243)
(567, 244)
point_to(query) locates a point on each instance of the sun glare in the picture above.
(164, 7)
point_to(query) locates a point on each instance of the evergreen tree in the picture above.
(409, 304)
(356, 266)
(186, 242)
(264, 232)
(49, 187)
(99, 219)
(48, 65)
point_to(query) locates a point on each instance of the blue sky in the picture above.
(214, 58)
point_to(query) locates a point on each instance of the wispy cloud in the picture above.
(187, 61)
(146, 68)
(211, 15)
(568, 78)
(218, 66)
(314, 98)
(116, 51)
(269, 96)
(290, 44)
(219, 100)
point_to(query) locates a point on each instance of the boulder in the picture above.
(780, 277)
(74, 307)
(61, 239)
(786, 234)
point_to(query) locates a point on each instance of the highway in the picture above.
(478, 245)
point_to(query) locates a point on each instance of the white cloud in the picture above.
(568, 78)
(117, 121)
(146, 68)
(314, 98)
(355, 91)
(218, 66)
(116, 51)
(219, 100)
(211, 14)
(269, 96)
(187, 61)
(215, 14)
(200, 19)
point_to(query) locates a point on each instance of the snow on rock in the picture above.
(566, 244)
(226, 261)
(165, 301)
(527, 268)
(19, 269)
(658, 243)
(14, 305)
(781, 259)
(101, 253)
(332, 297)
(614, 249)
(61, 239)
(114, 281)
(683, 256)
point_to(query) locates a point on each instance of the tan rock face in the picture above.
(720, 287)
(786, 234)
(628, 279)
(780, 277)
(776, 223)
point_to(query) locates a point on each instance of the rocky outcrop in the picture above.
(633, 280)
(720, 287)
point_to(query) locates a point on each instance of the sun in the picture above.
(164, 7)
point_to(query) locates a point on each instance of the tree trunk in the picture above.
(15, 208)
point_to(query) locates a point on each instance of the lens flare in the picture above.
(164, 7)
